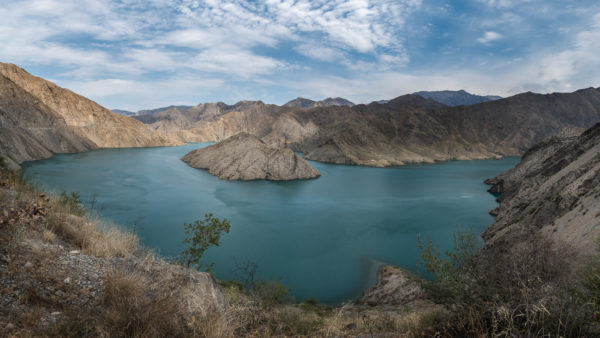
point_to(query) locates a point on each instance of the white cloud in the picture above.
(96, 38)
(504, 3)
(489, 37)
(320, 52)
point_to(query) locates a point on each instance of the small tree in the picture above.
(204, 234)
(450, 272)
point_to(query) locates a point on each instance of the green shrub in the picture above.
(522, 288)
(204, 234)
(591, 283)
(312, 305)
(272, 292)
(233, 284)
(2, 162)
(72, 202)
(449, 272)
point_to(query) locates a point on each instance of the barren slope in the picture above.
(38, 118)
(554, 190)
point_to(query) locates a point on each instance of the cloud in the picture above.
(320, 52)
(160, 50)
(489, 37)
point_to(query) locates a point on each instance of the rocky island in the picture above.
(246, 157)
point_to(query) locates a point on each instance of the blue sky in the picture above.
(134, 54)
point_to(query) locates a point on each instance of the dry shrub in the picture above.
(526, 289)
(94, 237)
(48, 236)
(139, 306)
(134, 308)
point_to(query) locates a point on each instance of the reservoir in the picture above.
(322, 238)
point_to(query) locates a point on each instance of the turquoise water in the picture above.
(323, 237)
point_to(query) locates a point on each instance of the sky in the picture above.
(141, 54)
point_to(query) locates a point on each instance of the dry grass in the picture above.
(134, 310)
(94, 236)
(134, 305)
(48, 236)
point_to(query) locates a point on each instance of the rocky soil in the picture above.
(246, 157)
(396, 287)
(554, 190)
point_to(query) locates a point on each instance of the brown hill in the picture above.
(39, 118)
(246, 157)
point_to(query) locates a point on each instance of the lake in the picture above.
(323, 238)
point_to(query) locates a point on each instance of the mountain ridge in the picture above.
(456, 97)
(407, 129)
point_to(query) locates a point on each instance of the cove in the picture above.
(323, 238)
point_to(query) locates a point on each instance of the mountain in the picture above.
(456, 98)
(124, 112)
(149, 111)
(39, 119)
(554, 191)
(407, 129)
(306, 103)
(158, 110)
(245, 157)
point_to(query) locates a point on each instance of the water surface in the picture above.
(322, 237)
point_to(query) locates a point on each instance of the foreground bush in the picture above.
(530, 289)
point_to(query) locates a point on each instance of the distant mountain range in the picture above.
(38, 118)
(407, 129)
(446, 97)
(456, 98)
(149, 111)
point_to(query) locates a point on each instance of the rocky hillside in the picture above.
(456, 97)
(246, 157)
(39, 118)
(408, 129)
(554, 190)
(61, 276)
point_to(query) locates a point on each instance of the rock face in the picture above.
(554, 190)
(407, 129)
(456, 98)
(246, 157)
(395, 287)
(38, 119)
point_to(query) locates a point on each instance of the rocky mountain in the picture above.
(554, 191)
(124, 112)
(456, 98)
(246, 157)
(328, 102)
(39, 119)
(149, 111)
(407, 129)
